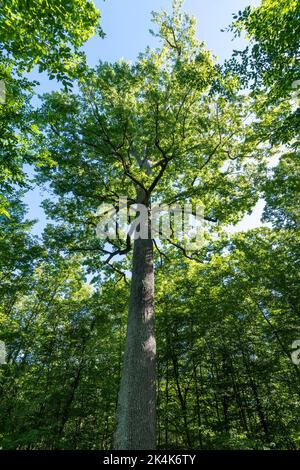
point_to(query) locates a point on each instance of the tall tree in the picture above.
(166, 129)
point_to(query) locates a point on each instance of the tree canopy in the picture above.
(43, 34)
(140, 342)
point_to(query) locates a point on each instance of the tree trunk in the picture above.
(135, 427)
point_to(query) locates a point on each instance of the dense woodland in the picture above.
(174, 126)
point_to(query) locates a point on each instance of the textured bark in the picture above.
(136, 404)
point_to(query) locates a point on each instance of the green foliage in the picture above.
(282, 193)
(226, 379)
(33, 33)
(270, 65)
(48, 34)
(273, 30)
(226, 320)
(63, 342)
(170, 124)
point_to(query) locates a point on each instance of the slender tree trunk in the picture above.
(182, 400)
(198, 408)
(167, 393)
(135, 427)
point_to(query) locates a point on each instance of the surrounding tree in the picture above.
(43, 34)
(270, 64)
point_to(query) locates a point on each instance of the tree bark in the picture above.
(135, 427)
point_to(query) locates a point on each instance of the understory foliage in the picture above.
(225, 379)
(227, 315)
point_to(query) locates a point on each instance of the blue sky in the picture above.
(126, 24)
